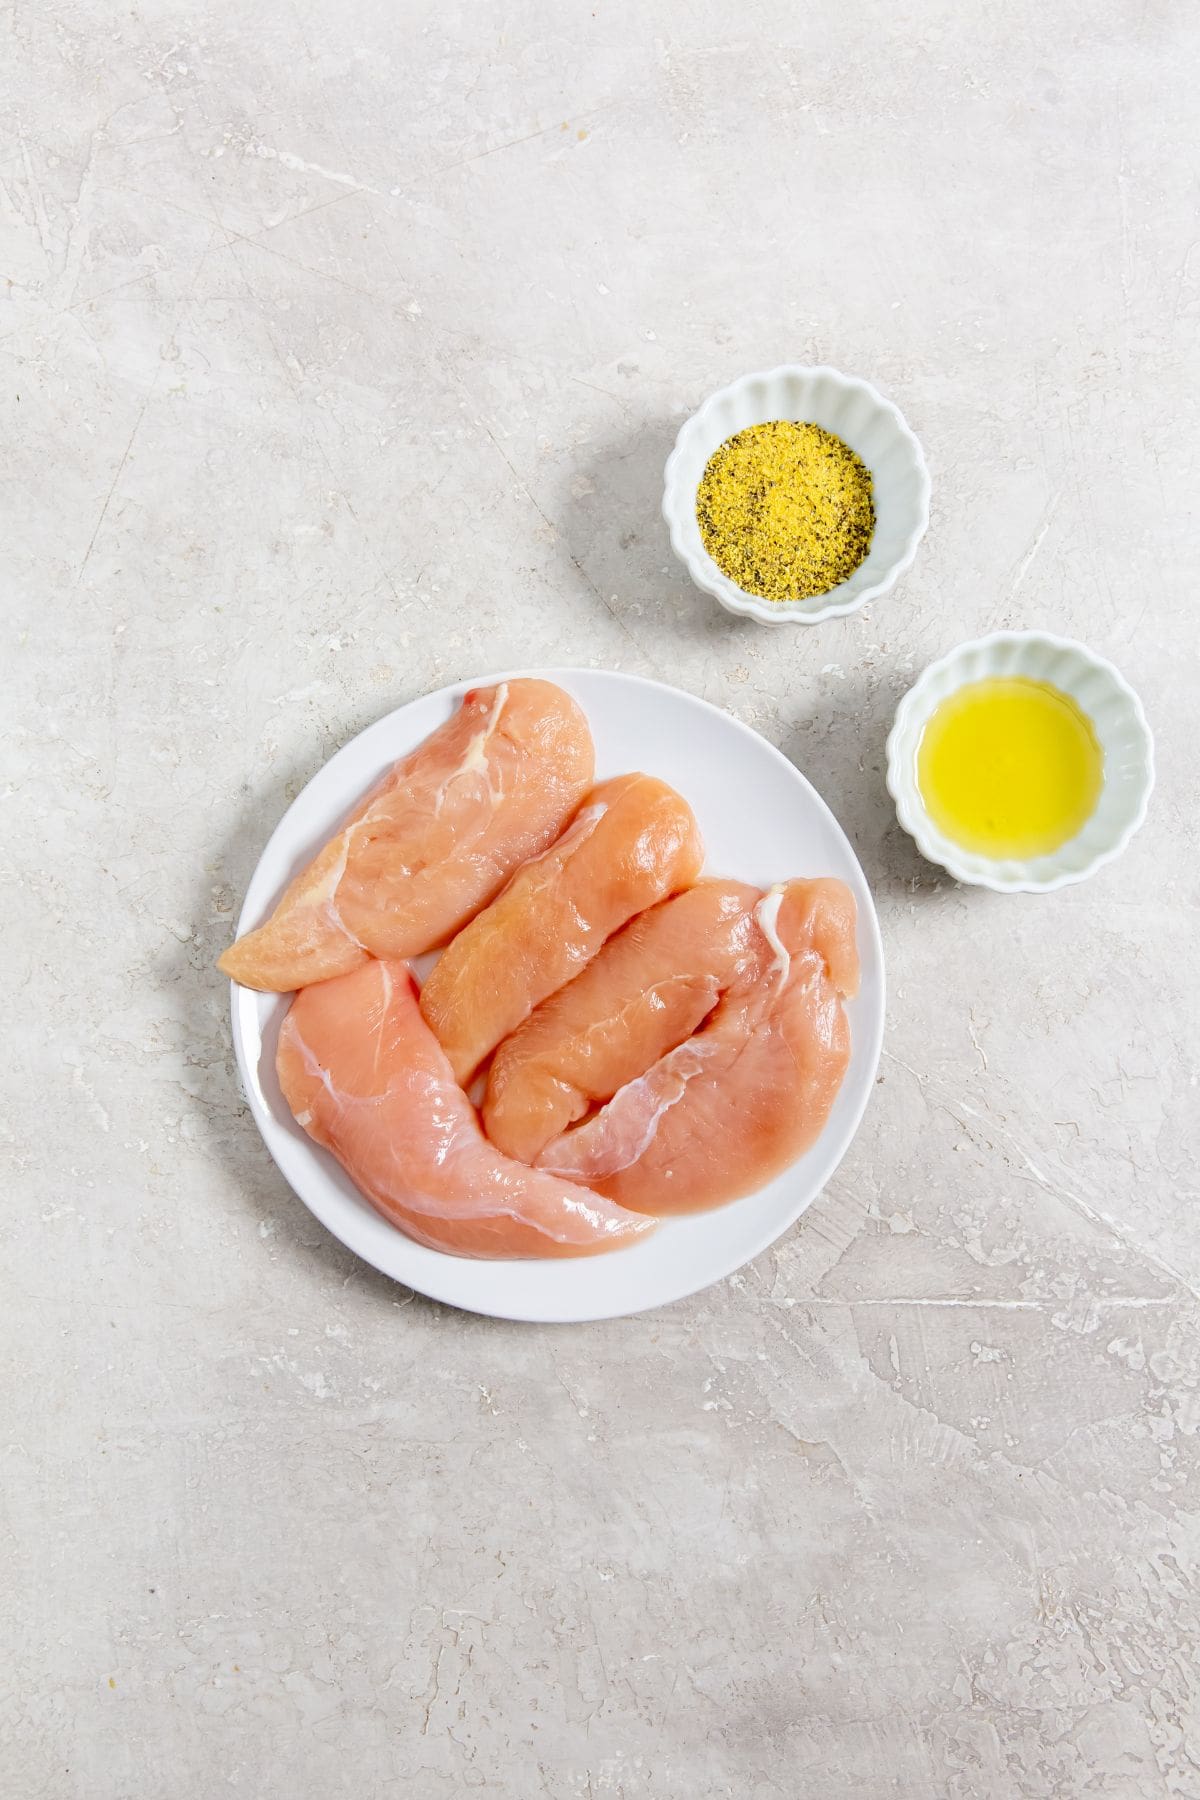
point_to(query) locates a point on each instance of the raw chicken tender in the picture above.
(724, 1112)
(633, 842)
(649, 988)
(432, 843)
(365, 1077)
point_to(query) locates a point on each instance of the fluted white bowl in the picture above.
(1119, 722)
(854, 411)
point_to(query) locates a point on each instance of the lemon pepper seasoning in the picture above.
(785, 510)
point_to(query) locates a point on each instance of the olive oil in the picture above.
(1009, 767)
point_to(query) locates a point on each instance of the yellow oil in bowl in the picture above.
(1009, 767)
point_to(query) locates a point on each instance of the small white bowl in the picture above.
(862, 418)
(1120, 724)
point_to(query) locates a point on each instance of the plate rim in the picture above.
(772, 1233)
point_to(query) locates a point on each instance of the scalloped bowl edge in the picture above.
(1116, 713)
(765, 394)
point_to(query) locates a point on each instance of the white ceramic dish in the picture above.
(854, 411)
(1120, 724)
(761, 821)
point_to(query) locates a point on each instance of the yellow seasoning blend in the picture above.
(785, 509)
(1009, 767)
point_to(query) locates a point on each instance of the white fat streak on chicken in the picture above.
(385, 1001)
(661, 1088)
(325, 897)
(453, 1121)
(767, 915)
(475, 758)
(580, 828)
(316, 1069)
(655, 998)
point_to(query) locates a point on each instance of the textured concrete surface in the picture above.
(343, 346)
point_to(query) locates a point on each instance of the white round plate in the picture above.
(761, 821)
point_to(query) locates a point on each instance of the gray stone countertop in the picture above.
(344, 345)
